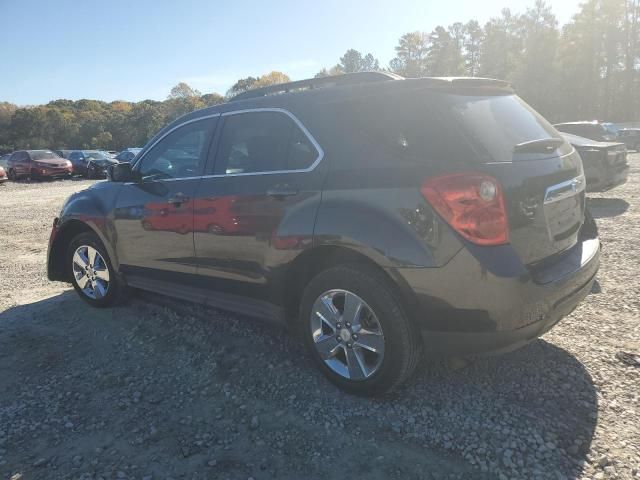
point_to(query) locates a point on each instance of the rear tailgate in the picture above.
(541, 174)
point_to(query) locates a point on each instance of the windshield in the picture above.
(611, 128)
(95, 156)
(497, 123)
(43, 155)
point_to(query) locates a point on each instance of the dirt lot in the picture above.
(160, 389)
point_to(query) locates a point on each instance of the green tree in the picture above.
(183, 90)
(411, 55)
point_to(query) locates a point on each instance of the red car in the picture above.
(3, 176)
(37, 164)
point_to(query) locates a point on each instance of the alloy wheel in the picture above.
(91, 272)
(347, 334)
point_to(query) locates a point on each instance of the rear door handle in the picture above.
(282, 191)
(178, 200)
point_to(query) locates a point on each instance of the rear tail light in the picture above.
(472, 203)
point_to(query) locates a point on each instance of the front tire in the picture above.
(91, 272)
(355, 328)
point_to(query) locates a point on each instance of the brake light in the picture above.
(472, 203)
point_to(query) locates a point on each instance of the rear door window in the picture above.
(262, 142)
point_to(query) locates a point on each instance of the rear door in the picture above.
(154, 216)
(257, 206)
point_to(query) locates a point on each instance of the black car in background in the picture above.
(605, 163)
(378, 217)
(90, 163)
(631, 138)
(128, 154)
(63, 153)
(592, 130)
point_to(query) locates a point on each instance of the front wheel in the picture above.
(356, 330)
(92, 273)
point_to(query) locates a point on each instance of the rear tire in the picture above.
(92, 274)
(370, 355)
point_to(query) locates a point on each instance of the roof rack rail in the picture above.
(312, 83)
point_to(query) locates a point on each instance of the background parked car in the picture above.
(128, 154)
(4, 159)
(63, 153)
(631, 138)
(90, 163)
(605, 163)
(37, 164)
(591, 130)
(3, 176)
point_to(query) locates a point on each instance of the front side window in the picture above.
(263, 141)
(180, 154)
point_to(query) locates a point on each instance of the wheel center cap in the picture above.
(345, 335)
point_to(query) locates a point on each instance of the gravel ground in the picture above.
(161, 389)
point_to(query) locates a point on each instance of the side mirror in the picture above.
(121, 172)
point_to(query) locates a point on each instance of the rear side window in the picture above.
(429, 126)
(261, 142)
(406, 128)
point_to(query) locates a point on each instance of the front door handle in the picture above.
(282, 191)
(178, 200)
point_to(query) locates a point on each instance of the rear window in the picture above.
(495, 124)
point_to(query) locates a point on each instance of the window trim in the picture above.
(295, 119)
(300, 125)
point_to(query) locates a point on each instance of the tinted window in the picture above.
(404, 127)
(180, 154)
(75, 156)
(263, 142)
(495, 124)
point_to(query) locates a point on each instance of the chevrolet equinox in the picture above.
(381, 218)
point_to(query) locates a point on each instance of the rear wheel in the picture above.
(356, 330)
(92, 273)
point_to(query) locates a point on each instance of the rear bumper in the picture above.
(469, 307)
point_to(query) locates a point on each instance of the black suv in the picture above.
(381, 218)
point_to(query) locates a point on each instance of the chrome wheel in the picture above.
(347, 334)
(90, 272)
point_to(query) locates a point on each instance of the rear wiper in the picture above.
(542, 145)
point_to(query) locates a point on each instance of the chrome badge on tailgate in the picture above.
(564, 209)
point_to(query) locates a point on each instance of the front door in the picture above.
(154, 216)
(258, 205)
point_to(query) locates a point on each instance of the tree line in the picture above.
(586, 69)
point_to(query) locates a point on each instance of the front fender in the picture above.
(84, 211)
